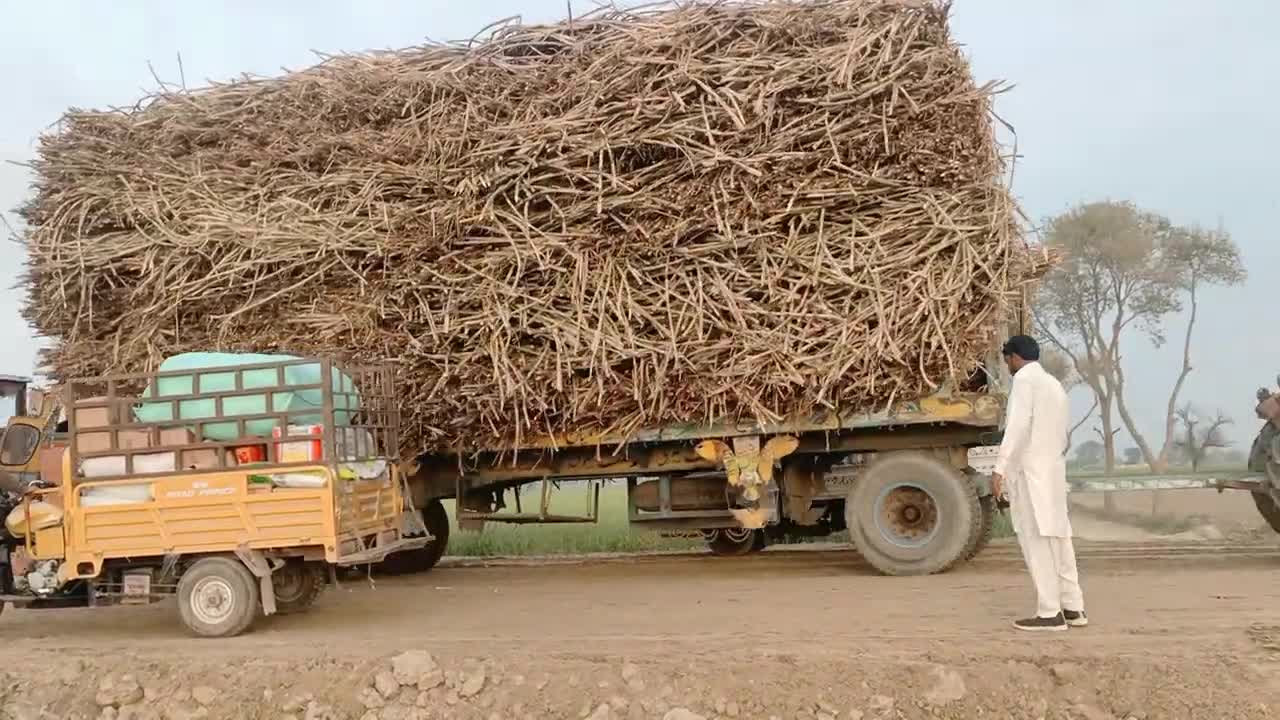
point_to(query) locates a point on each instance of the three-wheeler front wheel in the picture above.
(218, 597)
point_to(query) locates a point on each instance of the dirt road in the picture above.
(1179, 631)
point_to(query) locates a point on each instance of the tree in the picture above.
(1132, 456)
(1198, 258)
(1089, 454)
(1125, 271)
(1199, 435)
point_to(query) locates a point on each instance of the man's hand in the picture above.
(997, 486)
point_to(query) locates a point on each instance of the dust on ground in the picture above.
(1183, 514)
(1179, 630)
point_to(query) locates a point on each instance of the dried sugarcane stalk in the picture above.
(742, 210)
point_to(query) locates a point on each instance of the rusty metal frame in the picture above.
(666, 517)
(544, 514)
(973, 409)
(373, 386)
(446, 476)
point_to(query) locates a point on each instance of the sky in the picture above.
(1167, 103)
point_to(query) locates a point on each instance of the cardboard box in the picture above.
(100, 416)
(101, 441)
(170, 437)
(51, 464)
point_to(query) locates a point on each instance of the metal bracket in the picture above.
(262, 568)
(476, 518)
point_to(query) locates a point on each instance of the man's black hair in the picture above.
(1024, 347)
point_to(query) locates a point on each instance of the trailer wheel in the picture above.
(912, 514)
(761, 542)
(985, 527)
(730, 542)
(436, 518)
(297, 585)
(218, 597)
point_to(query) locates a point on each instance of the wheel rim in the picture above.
(289, 583)
(738, 535)
(906, 515)
(213, 601)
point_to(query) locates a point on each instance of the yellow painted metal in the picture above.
(42, 409)
(193, 514)
(49, 544)
(750, 467)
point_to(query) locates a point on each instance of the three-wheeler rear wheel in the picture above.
(218, 597)
(914, 514)
(296, 586)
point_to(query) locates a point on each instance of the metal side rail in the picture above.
(1232, 480)
(378, 554)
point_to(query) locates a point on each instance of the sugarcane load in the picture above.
(626, 220)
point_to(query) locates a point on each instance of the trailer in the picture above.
(899, 479)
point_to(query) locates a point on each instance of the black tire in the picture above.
(436, 518)
(912, 514)
(1259, 457)
(731, 543)
(297, 585)
(760, 543)
(985, 527)
(218, 597)
(1260, 452)
(1268, 509)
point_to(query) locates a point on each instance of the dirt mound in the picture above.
(633, 218)
(415, 685)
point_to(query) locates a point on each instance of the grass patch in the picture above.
(609, 534)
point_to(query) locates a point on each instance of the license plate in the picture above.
(137, 587)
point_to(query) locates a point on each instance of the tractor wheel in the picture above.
(913, 514)
(1259, 458)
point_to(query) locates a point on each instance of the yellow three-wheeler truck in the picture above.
(237, 487)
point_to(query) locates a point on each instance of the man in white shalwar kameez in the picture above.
(1031, 471)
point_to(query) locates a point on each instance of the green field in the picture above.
(610, 534)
